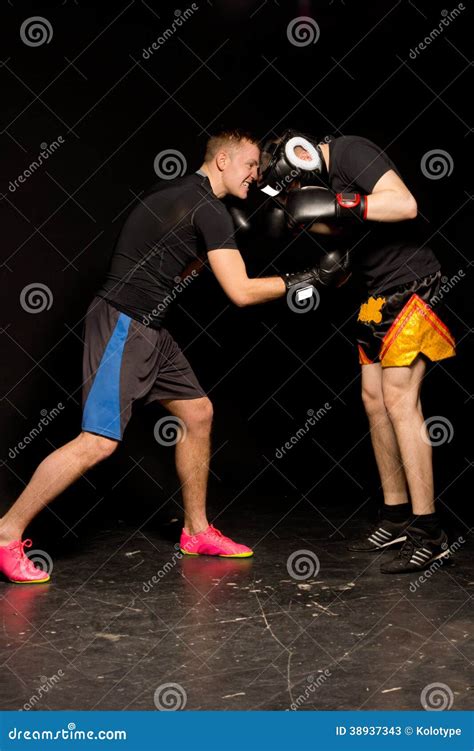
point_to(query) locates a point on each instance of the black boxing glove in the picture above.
(314, 204)
(273, 221)
(333, 271)
(241, 217)
(335, 268)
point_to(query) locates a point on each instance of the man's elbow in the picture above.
(241, 299)
(411, 208)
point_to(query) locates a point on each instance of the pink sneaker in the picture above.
(212, 542)
(17, 567)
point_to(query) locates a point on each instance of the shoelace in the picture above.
(22, 545)
(216, 531)
(225, 541)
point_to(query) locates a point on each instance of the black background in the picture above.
(230, 63)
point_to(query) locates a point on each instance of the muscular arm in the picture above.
(390, 200)
(229, 269)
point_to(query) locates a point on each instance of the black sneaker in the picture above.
(417, 553)
(384, 535)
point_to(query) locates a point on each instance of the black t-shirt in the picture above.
(172, 227)
(392, 253)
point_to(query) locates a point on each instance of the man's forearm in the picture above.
(262, 290)
(390, 206)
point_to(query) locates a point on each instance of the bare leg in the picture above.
(55, 473)
(401, 388)
(384, 440)
(192, 458)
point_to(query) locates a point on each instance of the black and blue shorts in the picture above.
(127, 363)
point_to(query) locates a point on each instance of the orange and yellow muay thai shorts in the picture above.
(401, 323)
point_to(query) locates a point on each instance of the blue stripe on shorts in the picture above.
(102, 409)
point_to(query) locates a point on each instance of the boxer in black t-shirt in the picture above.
(349, 184)
(130, 357)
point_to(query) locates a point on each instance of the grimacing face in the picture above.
(241, 168)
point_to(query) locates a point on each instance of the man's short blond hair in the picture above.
(226, 139)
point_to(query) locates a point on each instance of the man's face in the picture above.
(241, 167)
(302, 154)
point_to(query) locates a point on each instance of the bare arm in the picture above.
(229, 269)
(390, 200)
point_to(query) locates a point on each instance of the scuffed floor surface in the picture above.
(127, 623)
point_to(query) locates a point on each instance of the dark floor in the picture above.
(236, 634)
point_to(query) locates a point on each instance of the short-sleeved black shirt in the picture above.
(172, 226)
(393, 252)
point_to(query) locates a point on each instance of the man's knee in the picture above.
(372, 398)
(397, 400)
(97, 447)
(199, 415)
